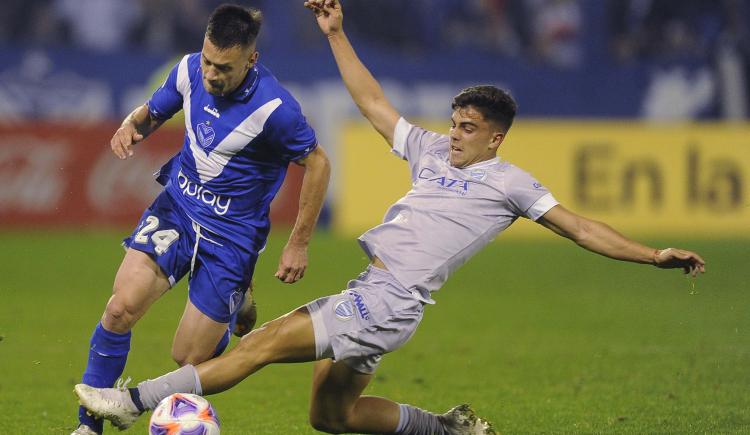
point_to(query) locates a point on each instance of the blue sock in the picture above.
(135, 396)
(107, 357)
(223, 343)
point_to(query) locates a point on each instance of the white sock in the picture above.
(183, 380)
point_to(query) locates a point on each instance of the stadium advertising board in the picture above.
(56, 175)
(643, 179)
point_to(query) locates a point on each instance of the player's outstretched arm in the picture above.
(601, 238)
(135, 127)
(293, 261)
(364, 89)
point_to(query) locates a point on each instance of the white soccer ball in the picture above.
(184, 414)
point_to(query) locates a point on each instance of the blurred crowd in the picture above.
(543, 30)
(677, 29)
(554, 32)
(107, 25)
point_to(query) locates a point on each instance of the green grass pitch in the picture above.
(540, 337)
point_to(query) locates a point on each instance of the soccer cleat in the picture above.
(113, 404)
(84, 430)
(462, 420)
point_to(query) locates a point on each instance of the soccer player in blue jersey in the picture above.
(462, 196)
(242, 129)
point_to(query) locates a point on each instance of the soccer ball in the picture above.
(184, 414)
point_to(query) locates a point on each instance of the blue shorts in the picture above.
(220, 270)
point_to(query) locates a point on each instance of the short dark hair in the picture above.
(493, 103)
(230, 25)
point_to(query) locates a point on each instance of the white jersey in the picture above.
(450, 213)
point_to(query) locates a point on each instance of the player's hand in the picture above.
(122, 142)
(328, 14)
(292, 263)
(672, 258)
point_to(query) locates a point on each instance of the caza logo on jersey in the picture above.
(206, 134)
(456, 185)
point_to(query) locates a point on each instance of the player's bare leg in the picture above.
(196, 337)
(336, 402)
(289, 338)
(337, 405)
(199, 338)
(138, 284)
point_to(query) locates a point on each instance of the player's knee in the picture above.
(326, 417)
(180, 357)
(185, 358)
(184, 354)
(118, 317)
(327, 424)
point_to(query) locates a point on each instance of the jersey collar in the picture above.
(246, 89)
(483, 163)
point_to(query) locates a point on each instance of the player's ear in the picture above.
(253, 59)
(496, 139)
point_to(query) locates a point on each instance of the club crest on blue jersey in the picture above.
(206, 134)
(344, 309)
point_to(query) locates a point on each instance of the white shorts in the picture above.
(373, 316)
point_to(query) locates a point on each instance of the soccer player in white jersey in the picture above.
(242, 129)
(461, 198)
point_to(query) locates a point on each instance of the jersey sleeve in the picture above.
(527, 196)
(167, 99)
(411, 142)
(290, 133)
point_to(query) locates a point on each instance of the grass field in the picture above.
(541, 337)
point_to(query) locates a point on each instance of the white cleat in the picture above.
(84, 430)
(462, 420)
(113, 404)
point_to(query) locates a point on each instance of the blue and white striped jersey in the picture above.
(236, 151)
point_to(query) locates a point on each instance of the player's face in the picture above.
(224, 70)
(472, 138)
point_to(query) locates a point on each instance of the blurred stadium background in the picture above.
(634, 112)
